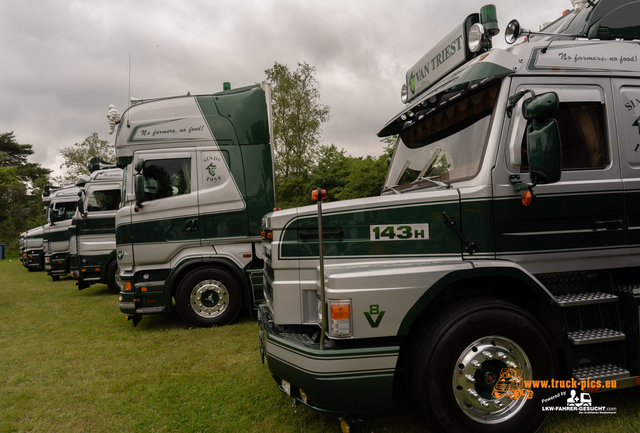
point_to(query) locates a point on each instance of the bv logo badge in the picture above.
(374, 310)
(120, 254)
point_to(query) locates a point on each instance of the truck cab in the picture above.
(22, 250)
(92, 231)
(61, 208)
(198, 176)
(504, 239)
(33, 249)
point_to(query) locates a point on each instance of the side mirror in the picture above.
(52, 214)
(138, 189)
(545, 154)
(544, 148)
(81, 205)
(543, 139)
(139, 165)
(138, 184)
(541, 106)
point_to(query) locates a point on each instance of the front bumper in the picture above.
(142, 297)
(341, 380)
(58, 263)
(35, 260)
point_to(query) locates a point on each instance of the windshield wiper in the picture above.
(432, 180)
(391, 188)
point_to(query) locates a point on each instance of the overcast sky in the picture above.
(63, 62)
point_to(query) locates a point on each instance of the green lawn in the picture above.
(69, 362)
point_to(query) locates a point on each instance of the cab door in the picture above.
(168, 219)
(221, 195)
(578, 222)
(627, 108)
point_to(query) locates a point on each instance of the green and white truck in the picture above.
(198, 177)
(92, 232)
(33, 249)
(61, 208)
(21, 246)
(503, 256)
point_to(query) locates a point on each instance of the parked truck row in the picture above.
(502, 252)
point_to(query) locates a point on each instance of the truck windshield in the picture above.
(445, 145)
(63, 211)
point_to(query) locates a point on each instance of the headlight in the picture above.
(476, 37)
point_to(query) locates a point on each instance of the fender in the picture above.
(189, 264)
(489, 269)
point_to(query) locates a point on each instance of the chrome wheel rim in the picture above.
(209, 298)
(488, 380)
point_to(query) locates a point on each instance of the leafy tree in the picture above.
(293, 192)
(77, 156)
(367, 175)
(297, 117)
(366, 178)
(21, 185)
(343, 177)
(13, 154)
(329, 174)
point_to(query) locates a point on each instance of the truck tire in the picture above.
(112, 270)
(457, 364)
(208, 297)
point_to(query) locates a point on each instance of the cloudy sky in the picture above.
(62, 62)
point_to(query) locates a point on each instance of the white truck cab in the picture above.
(61, 208)
(198, 177)
(92, 232)
(505, 240)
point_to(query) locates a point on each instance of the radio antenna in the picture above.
(129, 97)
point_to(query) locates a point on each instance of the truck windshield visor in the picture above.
(444, 145)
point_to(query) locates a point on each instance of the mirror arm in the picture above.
(513, 100)
(522, 186)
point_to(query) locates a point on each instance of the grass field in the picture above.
(69, 362)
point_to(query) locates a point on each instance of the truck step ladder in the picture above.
(592, 321)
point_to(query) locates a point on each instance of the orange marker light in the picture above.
(127, 286)
(314, 194)
(527, 198)
(340, 311)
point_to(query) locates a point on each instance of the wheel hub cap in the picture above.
(488, 379)
(209, 298)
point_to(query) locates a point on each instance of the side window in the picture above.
(582, 135)
(64, 211)
(166, 178)
(103, 200)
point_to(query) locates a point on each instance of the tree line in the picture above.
(302, 164)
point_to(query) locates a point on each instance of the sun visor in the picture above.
(493, 64)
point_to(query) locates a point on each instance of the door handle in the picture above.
(609, 225)
(326, 235)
